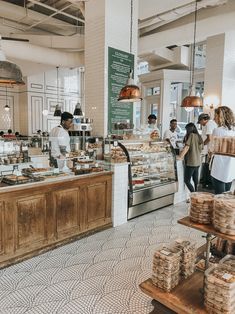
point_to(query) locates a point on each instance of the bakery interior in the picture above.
(113, 228)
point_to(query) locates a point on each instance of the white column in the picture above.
(220, 70)
(107, 25)
(164, 117)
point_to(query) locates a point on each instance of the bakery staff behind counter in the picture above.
(152, 128)
(59, 138)
(171, 135)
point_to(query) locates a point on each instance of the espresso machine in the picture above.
(82, 128)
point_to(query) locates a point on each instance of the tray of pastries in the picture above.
(12, 179)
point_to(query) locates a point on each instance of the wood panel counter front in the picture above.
(38, 216)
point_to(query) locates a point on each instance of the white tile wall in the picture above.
(107, 24)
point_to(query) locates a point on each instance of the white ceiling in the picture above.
(66, 17)
(59, 24)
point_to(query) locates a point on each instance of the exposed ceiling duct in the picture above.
(28, 52)
(153, 22)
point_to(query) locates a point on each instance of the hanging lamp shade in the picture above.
(10, 73)
(130, 92)
(57, 112)
(6, 108)
(192, 101)
(78, 110)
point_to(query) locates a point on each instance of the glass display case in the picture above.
(152, 173)
(27, 160)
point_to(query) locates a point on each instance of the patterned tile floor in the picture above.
(98, 274)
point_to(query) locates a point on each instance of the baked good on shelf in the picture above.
(188, 257)
(224, 213)
(166, 267)
(220, 289)
(201, 207)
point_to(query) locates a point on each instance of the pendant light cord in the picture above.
(131, 26)
(194, 45)
(57, 84)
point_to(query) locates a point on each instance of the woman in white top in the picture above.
(223, 167)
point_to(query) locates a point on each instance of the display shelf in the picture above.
(205, 228)
(186, 298)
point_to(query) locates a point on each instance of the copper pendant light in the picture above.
(192, 101)
(10, 73)
(130, 92)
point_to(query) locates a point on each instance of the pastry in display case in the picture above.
(152, 173)
(16, 167)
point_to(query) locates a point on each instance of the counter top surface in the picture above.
(67, 178)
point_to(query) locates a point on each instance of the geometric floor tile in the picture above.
(98, 274)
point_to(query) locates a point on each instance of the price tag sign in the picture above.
(115, 143)
(165, 252)
(227, 276)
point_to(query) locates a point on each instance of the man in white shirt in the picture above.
(208, 127)
(59, 138)
(171, 134)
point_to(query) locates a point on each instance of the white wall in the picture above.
(40, 93)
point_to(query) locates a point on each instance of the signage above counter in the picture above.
(119, 65)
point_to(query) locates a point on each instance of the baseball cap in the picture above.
(203, 116)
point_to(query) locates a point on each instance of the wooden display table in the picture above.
(205, 228)
(210, 230)
(187, 297)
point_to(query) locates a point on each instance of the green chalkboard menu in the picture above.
(119, 64)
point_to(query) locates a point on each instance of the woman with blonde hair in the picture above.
(223, 167)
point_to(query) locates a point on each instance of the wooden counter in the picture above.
(38, 216)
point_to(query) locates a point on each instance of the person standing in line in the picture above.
(171, 135)
(223, 167)
(208, 126)
(191, 154)
(59, 138)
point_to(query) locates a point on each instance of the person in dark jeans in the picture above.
(191, 173)
(221, 187)
(191, 154)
